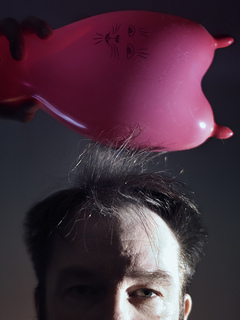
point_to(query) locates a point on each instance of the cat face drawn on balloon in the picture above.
(124, 42)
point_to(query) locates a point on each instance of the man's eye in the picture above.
(145, 293)
(81, 291)
(82, 296)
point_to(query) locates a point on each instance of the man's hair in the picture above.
(109, 180)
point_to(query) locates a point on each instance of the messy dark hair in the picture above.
(107, 181)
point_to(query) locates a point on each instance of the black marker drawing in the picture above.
(115, 41)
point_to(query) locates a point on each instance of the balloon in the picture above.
(120, 73)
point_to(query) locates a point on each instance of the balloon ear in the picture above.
(221, 132)
(223, 42)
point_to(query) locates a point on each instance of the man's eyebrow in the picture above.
(77, 272)
(156, 275)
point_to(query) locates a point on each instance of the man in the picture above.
(122, 244)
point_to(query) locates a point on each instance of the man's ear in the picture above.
(37, 302)
(187, 305)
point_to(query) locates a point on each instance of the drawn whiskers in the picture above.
(115, 28)
(143, 53)
(143, 32)
(114, 50)
(99, 38)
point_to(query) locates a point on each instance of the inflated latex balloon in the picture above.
(122, 72)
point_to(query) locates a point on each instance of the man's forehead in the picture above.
(142, 240)
(129, 223)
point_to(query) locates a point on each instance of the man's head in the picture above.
(122, 244)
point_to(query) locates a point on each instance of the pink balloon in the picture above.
(122, 72)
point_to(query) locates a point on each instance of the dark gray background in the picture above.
(36, 157)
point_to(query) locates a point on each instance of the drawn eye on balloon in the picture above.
(142, 53)
(141, 31)
(114, 40)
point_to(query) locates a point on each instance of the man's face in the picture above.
(116, 269)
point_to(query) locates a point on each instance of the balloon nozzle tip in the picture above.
(223, 42)
(221, 132)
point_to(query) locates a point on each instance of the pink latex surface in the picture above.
(112, 74)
